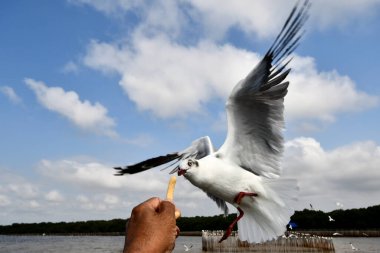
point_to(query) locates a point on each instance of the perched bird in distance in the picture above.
(187, 248)
(353, 247)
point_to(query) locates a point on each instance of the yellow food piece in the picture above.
(170, 193)
(171, 186)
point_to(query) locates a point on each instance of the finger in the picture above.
(152, 203)
(166, 206)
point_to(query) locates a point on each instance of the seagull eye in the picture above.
(190, 163)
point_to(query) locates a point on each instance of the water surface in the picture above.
(114, 244)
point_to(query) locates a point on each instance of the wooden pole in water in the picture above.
(291, 243)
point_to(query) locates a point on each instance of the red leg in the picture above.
(242, 194)
(241, 213)
(231, 226)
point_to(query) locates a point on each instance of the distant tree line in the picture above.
(98, 226)
(363, 218)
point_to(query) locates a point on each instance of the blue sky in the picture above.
(86, 85)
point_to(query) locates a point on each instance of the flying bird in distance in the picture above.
(331, 219)
(245, 170)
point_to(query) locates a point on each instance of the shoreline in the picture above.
(324, 233)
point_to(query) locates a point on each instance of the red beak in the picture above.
(181, 172)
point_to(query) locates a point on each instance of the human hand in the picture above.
(152, 227)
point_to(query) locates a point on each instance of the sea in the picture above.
(114, 244)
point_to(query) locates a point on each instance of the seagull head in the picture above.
(186, 166)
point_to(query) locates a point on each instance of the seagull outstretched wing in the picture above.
(198, 149)
(255, 107)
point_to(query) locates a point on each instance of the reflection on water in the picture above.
(114, 244)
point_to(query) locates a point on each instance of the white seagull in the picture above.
(187, 248)
(353, 247)
(245, 170)
(331, 219)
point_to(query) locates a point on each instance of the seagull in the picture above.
(331, 219)
(245, 170)
(311, 207)
(353, 247)
(187, 248)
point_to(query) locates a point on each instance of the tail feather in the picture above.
(266, 216)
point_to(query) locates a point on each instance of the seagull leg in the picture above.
(240, 195)
(231, 226)
(237, 200)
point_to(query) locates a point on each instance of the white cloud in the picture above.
(85, 115)
(54, 196)
(11, 94)
(347, 174)
(261, 17)
(169, 79)
(34, 204)
(70, 67)
(111, 199)
(85, 202)
(23, 189)
(158, 15)
(4, 200)
(82, 199)
(322, 95)
(100, 202)
(95, 175)
(265, 18)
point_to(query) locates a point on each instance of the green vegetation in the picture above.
(100, 226)
(363, 218)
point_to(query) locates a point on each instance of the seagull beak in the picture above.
(179, 171)
(174, 170)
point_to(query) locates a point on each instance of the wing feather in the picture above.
(255, 107)
(198, 149)
(147, 164)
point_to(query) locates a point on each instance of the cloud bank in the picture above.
(169, 79)
(347, 175)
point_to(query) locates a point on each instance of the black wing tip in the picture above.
(120, 171)
(284, 45)
(290, 32)
(147, 164)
